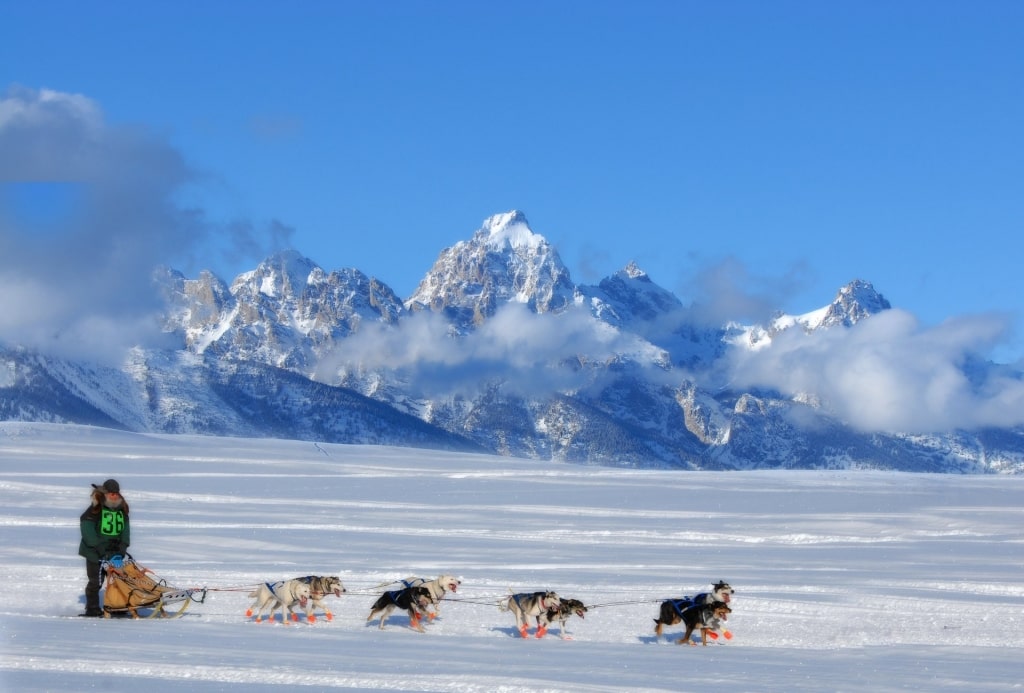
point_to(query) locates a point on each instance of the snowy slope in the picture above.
(869, 581)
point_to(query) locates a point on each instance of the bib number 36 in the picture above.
(111, 523)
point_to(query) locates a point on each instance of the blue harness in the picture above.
(686, 602)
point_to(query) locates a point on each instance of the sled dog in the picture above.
(437, 587)
(319, 587)
(413, 600)
(563, 612)
(527, 605)
(671, 610)
(278, 595)
(706, 617)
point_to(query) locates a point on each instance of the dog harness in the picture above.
(678, 605)
(540, 600)
(309, 581)
(274, 591)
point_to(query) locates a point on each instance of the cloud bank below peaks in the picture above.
(528, 353)
(887, 373)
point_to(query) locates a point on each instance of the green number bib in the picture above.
(111, 522)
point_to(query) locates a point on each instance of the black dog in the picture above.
(414, 600)
(672, 610)
(706, 617)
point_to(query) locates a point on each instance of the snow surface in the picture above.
(846, 581)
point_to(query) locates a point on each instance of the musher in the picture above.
(106, 535)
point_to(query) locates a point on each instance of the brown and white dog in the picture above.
(437, 587)
(706, 618)
(319, 587)
(527, 605)
(563, 612)
(671, 611)
(278, 595)
(412, 600)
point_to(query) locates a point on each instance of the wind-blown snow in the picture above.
(845, 581)
(511, 229)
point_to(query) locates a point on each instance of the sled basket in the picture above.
(132, 587)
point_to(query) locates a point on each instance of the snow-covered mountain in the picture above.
(497, 350)
(854, 302)
(503, 262)
(287, 312)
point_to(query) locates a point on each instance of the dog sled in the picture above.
(134, 590)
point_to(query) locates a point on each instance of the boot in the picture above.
(92, 603)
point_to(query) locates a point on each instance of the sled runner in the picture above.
(131, 587)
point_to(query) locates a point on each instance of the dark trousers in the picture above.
(92, 587)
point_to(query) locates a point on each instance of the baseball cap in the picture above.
(109, 486)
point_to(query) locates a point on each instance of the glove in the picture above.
(114, 548)
(116, 561)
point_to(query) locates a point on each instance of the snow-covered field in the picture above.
(846, 581)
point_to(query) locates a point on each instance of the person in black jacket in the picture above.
(106, 534)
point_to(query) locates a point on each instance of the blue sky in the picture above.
(785, 147)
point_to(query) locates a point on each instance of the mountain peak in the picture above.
(285, 272)
(510, 230)
(504, 262)
(633, 271)
(854, 302)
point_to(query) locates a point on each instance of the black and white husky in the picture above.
(437, 587)
(412, 600)
(527, 605)
(563, 613)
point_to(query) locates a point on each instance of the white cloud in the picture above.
(888, 373)
(94, 262)
(49, 136)
(728, 291)
(526, 351)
